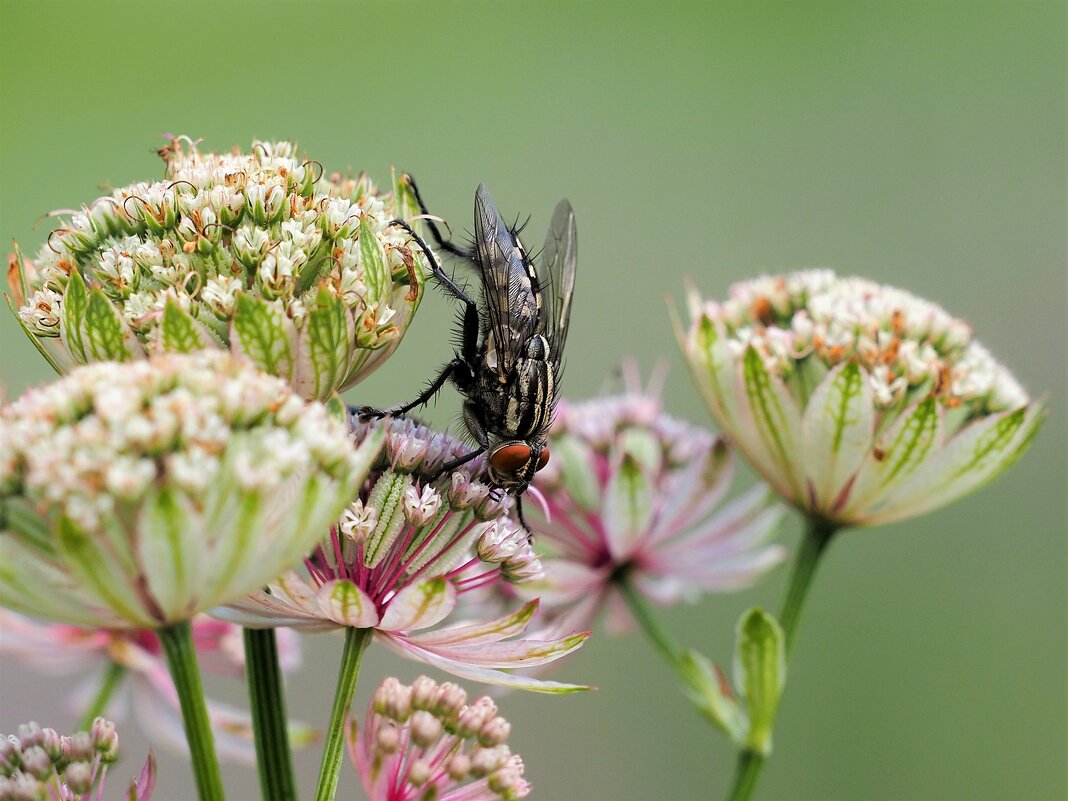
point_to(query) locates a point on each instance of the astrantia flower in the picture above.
(41, 765)
(860, 403)
(424, 741)
(258, 253)
(403, 552)
(137, 659)
(634, 493)
(135, 495)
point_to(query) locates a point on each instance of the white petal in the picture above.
(419, 605)
(479, 674)
(171, 547)
(628, 506)
(346, 604)
(975, 456)
(769, 429)
(897, 454)
(837, 432)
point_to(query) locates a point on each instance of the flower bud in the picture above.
(424, 693)
(78, 776)
(425, 729)
(105, 739)
(10, 755)
(35, 761)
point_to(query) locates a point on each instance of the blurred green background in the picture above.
(920, 144)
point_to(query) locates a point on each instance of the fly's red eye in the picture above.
(510, 458)
(543, 458)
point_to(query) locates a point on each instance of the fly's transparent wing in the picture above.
(511, 304)
(557, 270)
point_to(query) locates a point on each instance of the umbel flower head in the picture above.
(412, 542)
(424, 741)
(59, 649)
(634, 493)
(41, 765)
(257, 252)
(858, 402)
(136, 495)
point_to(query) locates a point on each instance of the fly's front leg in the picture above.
(477, 430)
(469, 340)
(370, 413)
(444, 244)
(467, 457)
(522, 520)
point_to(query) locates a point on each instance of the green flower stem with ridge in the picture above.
(181, 654)
(818, 534)
(663, 641)
(274, 759)
(112, 676)
(356, 641)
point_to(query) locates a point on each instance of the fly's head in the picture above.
(513, 463)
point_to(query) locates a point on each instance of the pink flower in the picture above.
(403, 553)
(60, 649)
(632, 492)
(425, 741)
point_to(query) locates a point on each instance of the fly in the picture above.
(507, 366)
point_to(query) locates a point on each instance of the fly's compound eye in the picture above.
(543, 458)
(510, 458)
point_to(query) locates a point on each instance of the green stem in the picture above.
(746, 774)
(818, 535)
(181, 654)
(356, 641)
(267, 700)
(100, 701)
(667, 647)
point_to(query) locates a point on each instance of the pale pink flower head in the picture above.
(859, 403)
(145, 685)
(42, 765)
(634, 493)
(425, 741)
(402, 554)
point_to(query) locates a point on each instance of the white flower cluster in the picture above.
(266, 225)
(903, 341)
(91, 443)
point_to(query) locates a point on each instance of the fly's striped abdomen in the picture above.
(529, 398)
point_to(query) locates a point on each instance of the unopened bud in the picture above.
(105, 739)
(425, 729)
(35, 761)
(79, 777)
(424, 693)
(494, 732)
(418, 772)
